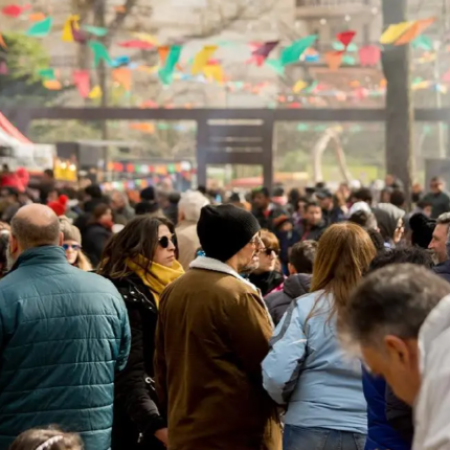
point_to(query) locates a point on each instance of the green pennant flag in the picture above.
(41, 29)
(166, 73)
(302, 127)
(349, 60)
(96, 31)
(276, 65)
(47, 74)
(100, 53)
(291, 54)
(311, 87)
(423, 42)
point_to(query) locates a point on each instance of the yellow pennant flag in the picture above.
(147, 38)
(202, 58)
(393, 32)
(95, 93)
(214, 72)
(67, 35)
(299, 86)
(148, 69)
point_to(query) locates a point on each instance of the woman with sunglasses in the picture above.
(267, 277)
(72, 246)
(141, 262)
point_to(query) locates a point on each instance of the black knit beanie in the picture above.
(422, 230)
(223, 230)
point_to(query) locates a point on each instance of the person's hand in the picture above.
(163, 436)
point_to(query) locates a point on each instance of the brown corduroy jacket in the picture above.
(213, 333)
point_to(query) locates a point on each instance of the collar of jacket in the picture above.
(206, 263)
(47, 254)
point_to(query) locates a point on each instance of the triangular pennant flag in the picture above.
(214, 72)
(202, 58)
(37, 17)
(423, 43)
(78, 35)
(349, 60)
(123, 77)
(14, 10)
(369, 55)
(163, 52)
(418, 28)
(166, 74)
(95, 93)
(263, 51)
(52, 85)
(291, 54)
(299, 86)
(41, 29)
(100, 53)
(121, 61)
(346, 37)
(96, 31)
(71, 22)
(2, 42)
(136, 44)
(47, 74)
(393, 32)
(82, 81)
(145, 37)
(334, 60)
(276, 65)
(3, 68)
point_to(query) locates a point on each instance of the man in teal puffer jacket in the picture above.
(63, 335)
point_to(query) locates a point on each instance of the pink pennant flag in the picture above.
(82, 82)
(446, 77)
(369, 55)
(3, 68)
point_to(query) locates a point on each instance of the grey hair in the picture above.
(30, 235)
(443, 219)
(394, 300)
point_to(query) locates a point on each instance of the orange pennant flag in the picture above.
(123, 77)
(163, 53)
(334, 59)
(416, 30)
(2, 42)
(52, 85)
(37, 17)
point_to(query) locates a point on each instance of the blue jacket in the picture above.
(443, 270)
(63, 335)
(307, 370)
(381, 435)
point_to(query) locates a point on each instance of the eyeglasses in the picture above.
(75, 247)
(165, 240)
(269, 251)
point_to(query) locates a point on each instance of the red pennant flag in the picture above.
(82, 82)
(14, 10)
(346, 37)
(369, 55)
(141, 45)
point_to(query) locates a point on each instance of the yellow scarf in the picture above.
(158, 277)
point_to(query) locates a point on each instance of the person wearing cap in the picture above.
(213, 333)
(331, 213)
(72, 245)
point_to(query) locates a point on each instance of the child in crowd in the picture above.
(47, 439)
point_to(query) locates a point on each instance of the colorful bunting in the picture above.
(144, 128)
(100, 53)
(260, 54)
(276, 65)
(413, 32)
(166, 73)
(291, 54)
(369, 55)
(201, 59)
(148, 38)
(95, 93)
(299, 86)
(123, 77)
(333, 59)
(346, 37)
(141, 45)
(14, 10)
(2, 42)
(78, 35)
(41, 29)
(214, 72)
(423, 43)
(52, 85)
(82, 81)
(121, 61)
(72, 22)
(163, 53)
(394, 32)
(96, 31)
(47, 74)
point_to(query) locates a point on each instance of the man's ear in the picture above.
(61, 238)
(291, 269)
(13, 244)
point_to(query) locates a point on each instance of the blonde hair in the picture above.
(270, 240)
(83, 262)
(47, 439)
(344, 253)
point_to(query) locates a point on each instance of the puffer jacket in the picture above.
(63, 335)
(295, 286)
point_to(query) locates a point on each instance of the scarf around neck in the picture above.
(155, 276)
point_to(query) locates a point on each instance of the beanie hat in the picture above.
(70, 232)
(422, 230)
(224, 230)
(59, 207)
(148, 194)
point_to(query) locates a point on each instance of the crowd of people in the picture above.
(253, 321)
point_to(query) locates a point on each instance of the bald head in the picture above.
(35, 226)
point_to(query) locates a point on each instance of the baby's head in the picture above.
(47, 439)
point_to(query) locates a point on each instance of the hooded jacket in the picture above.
(432, 427)
(295, 286)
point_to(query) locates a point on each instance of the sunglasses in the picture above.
(165, 240)
(268, 251)
(75, 247)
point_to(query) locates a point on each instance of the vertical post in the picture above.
(267, 143)
(202, 150)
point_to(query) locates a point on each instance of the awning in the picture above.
(6, 127)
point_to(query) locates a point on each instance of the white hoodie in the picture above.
(432, 409)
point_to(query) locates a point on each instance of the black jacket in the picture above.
(443, 270)
(295, 286)
(135, 404)
(314, 232)
(266, 282)
(95, 238)
(399, 416)
(82, 221)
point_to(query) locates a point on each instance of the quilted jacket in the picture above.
(63, 335)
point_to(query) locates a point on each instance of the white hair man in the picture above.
(189, 210)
